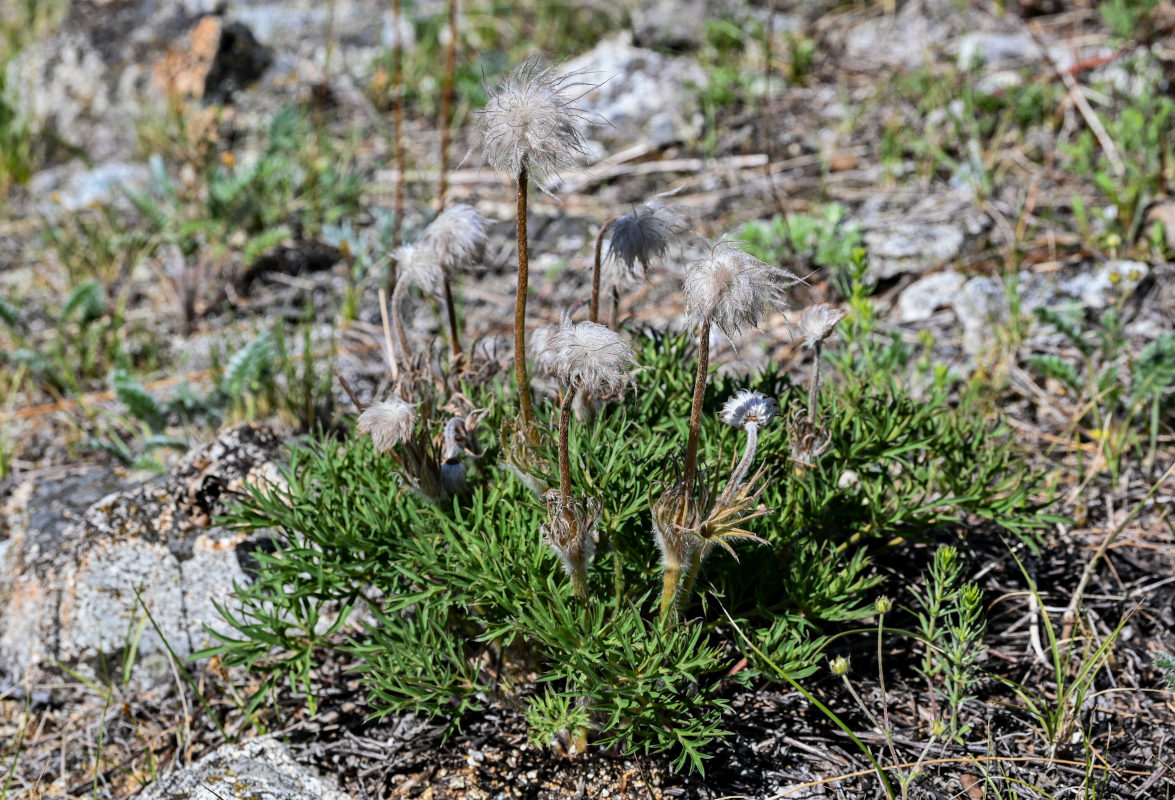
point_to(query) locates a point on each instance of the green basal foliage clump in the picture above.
(454, 606)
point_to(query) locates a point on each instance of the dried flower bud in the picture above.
(640, 236)
(747, 408)
(389, 423)
(817, 322)
(808, 441)
(455, 239)
(733, 289)
(530, 122)
(570, 530)
(591, 357)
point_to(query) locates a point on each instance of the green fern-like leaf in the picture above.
(9, 315)
(141, 404)
(249, 365)
(1057, 368)
(1166, 664)
(87, 300)
(264, 242)
(1068, 324)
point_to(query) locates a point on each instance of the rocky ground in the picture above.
(962, 142)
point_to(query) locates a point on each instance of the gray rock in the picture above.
(669, 24)
(67, 188)
(257, 768)
(644, 96)
(911, 247)
(922, 298)
(75, 587)
(990, 47)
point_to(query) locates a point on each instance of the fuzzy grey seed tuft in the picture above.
(389, 423)
(817, 322)
(591, 357)
(639, 237)
(455, 239)
(530, 122)
(733, 289)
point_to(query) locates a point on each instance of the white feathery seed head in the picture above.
(733, 289)
(817, 322)
(589, 356)
(639, 237)
(570, 529)
(416, 267)
(455, 239)
(746, 408)
(530, 121)
(388, 423)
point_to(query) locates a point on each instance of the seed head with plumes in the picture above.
(733, 289)
(749, 408)
(530, 121)
(591, 357)
(455, 239)
(570, 529)
(817, 322)
(641, 236)
(389, 423)
(415, 267)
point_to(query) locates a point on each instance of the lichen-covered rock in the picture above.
(253, 769)
(83, 565)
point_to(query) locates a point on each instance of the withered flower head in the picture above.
(817, 322)
(733, 289)
(570, 531)
(530, 121)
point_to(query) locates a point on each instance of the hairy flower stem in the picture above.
(672, 578)
(695, 419)
(520, 376)
(615, 319)
(691, 574)
(454, 338)
(814, 389)
(446, 111)
(594, 311)
(740, 471)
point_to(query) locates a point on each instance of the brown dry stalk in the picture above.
(695, 418)
(397, 137)
(564, 445)
(594, 310)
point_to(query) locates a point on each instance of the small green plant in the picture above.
(806, 242)
(951, 624)
(1109, 406)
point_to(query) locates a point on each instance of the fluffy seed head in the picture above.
(733, 289)
(416, 267)
(639, 237)
(748, 408)
(530, 122)
(455, 239)
(591, 357)
(817, 322)
(388, 423)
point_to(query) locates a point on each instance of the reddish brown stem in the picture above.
(564, 445)
(520, 375)
(454, 339)
(594, 310)
(695, 417)
(447, 105)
